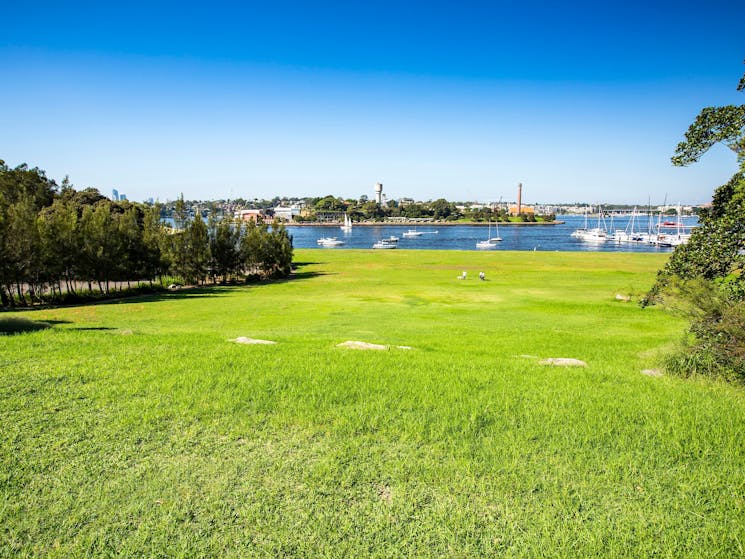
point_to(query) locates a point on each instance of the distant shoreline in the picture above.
(427, 224)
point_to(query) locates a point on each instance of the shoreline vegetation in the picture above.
(55, 239)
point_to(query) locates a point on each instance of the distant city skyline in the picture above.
(580, 101)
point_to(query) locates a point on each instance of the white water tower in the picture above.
(379, 192)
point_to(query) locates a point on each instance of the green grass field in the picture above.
(136, 429)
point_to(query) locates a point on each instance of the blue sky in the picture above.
(579, 101)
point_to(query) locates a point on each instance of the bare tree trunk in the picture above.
(21, 298)
(7, 301)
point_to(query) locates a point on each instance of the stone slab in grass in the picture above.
(251, 341)
(352, 344)
(562, 362)
(652, 372)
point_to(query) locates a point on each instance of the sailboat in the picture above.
(497, 238)
(596, 234)
(668, 239)
(490, 242)
(347, 223)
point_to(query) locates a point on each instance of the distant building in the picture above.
(517, 210)
(329, 217)
(115, 195)
(286, 213)
(122, 197)
(250, 215)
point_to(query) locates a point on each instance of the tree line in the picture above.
(58, 243)
(439, 210)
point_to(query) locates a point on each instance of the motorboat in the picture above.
(385, 244)
(330, 242)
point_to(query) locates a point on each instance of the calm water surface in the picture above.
(464, 237)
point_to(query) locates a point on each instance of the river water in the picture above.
(464, 237)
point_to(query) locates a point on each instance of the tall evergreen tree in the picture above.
(224, 250)
(198, 250)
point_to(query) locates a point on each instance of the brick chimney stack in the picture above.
(519, 198)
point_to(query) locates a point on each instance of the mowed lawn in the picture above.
(135, 428)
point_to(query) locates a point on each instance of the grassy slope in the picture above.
(136, 428)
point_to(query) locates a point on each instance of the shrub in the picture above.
(715, 342)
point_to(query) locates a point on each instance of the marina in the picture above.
(630, 233)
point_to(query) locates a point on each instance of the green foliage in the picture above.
(712, 126)
(266, 253)
(707, 272)
(331, 204)
(716, 247)
(441, 209)
(225, 238)
(51, 242)
(714, 345)
(197, 251)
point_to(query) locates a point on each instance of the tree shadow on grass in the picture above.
(193, 292)
(295, 276)
(11, 326)
(14, 325)
(173, 295)
(303, 263)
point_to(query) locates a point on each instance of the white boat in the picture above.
(330, 242)
(596, 234)
(347, 224)
(413, 233)
(391, 239)
(490, 242)
(671, 234)
(630, 235)
(385, 244)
